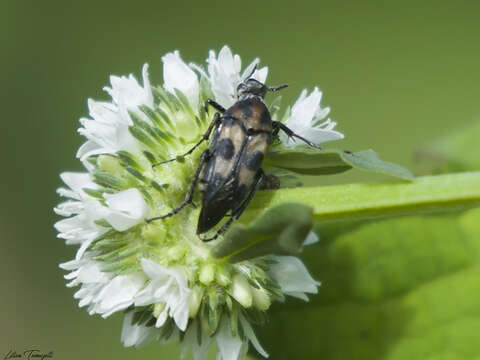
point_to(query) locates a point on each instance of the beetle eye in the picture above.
(241, 86)
(252, 83)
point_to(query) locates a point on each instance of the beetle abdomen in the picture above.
(215, 208)
(252, 158)
(236, 156)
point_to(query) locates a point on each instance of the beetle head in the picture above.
(252, 87)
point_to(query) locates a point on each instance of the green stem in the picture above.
(360, 201)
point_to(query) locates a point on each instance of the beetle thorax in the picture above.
(251, 88)
(246, 95)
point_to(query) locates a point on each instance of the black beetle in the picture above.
(230, 168)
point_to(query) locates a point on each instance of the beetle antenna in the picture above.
(276, 88)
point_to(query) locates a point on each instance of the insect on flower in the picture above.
(230, 169)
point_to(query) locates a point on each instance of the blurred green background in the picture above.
(395, 73)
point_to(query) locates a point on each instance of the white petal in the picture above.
(250, 334)
(322, 114)
(107, 131)
(135, 335)
(69, 208)
(89, 148)
(153, 269)
(177, 75)
(261, 75)
(126, 91)
(78, 181)
(229, 347)
(292, 276)
(225, 58)
(69, 265)
(225, 76)
(168, 286)
(85, 244)
(180, 314)
(71, 224)
(147, 87)
(199, 352)
(237, 63)
(311, 239)
(318, 136)
(145, 296)
(126, 209)
(162, 318)
(118, 294)
(92, 273)
(248, 70)
(304, 119)
(304, 109)
(103, 112)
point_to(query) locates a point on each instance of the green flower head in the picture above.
(166, 280)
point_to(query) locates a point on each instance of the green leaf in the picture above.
(399, 289)
(308, 161)
(454, 152)
(360, 201)
(280, 230)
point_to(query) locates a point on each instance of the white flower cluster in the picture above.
(99, 217)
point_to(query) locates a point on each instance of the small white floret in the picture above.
(125, 209)
(177, 75)
(293, 277)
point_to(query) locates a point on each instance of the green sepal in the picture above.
(205, 90)
(167, 329)
(150, 157)
(142, 136)
(92, 160)
(102, 223)
(154, 132)
(233, 319)
(108, 180)
(309, 161)
(184, 101)
(95, 193)
(158, 187)
(162, 98)
(137, 174)
(280, 230)
(142, 315)
(128, 159)
(162, 115)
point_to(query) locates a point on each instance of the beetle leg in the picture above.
(236, 213)
(191, 189)
(215, 122)
(216, 105)
(280, 126)
(270, 182)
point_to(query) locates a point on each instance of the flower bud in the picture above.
(176, 252)
(158, 309)
(109, 164)
(207, 274)
(195, 301)
(154, 233)
(261, 300)
(222, 277)
(241, 291)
